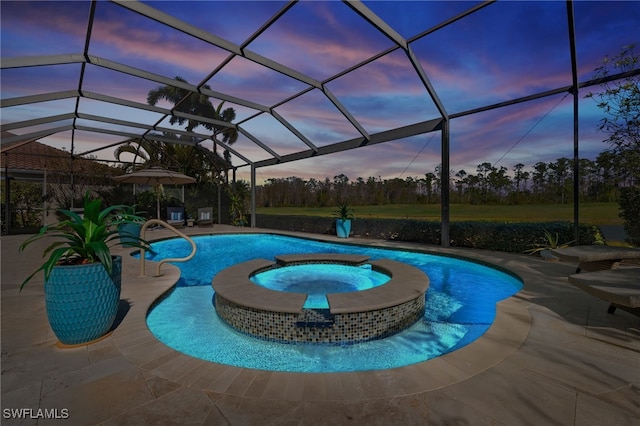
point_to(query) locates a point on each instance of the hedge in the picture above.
(508, 237)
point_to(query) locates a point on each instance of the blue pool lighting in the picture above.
(460, 307)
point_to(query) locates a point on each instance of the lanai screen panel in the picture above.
(328, 125)
(307, 78)
(501, 52)
(333, 40)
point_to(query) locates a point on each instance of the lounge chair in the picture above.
(205, 216)
(596, 257)
(175, 216)
(620, 287)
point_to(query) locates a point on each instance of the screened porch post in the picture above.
(253, 195)
(444, 184)
(576, 171)
(7, 196)
(44, 198)
(576, 145)
(219, 202)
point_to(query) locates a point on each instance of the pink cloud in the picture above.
(334, 39)
(156, 46)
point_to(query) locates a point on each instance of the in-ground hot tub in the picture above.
(316, 280)
(351, 317)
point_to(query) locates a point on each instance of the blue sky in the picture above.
(504, 51)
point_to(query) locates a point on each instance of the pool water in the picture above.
(317, 280)
(460, 307)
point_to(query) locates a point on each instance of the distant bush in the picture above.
(508, 237)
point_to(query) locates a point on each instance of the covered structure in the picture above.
(32, 161)
(281, 72)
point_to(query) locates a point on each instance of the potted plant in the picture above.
(552, 242)
(81, 278)
(131, 223)
(344, 216)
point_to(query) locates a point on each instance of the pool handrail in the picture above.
(164, 224)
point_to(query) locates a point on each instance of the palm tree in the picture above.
(196, 104)
(194, 160)
(229, 134)
(183, 101)
(150, 152)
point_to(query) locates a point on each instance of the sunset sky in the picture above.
(503, 51)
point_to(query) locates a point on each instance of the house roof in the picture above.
(33, 156)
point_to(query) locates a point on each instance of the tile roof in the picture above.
(35, 156)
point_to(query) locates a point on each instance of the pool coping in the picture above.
(234, 285)
(405, 283)
(505, 336)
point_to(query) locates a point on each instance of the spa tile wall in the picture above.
(318, 326)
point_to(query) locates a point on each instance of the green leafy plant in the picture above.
(236, 209)
(130, 214)
(344, 212)
(553, 242)
(84, 239)
(630, 213)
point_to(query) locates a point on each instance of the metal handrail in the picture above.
(143, 231)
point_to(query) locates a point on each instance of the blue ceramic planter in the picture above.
(343, 228)
(129, 233)
(82, 301)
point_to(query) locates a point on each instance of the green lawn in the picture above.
(591, 213)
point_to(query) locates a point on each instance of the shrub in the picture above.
(630, 213)
(508, 237)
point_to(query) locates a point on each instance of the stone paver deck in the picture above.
(552, 356)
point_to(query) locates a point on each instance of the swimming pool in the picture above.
(460, 308)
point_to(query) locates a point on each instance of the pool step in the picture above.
(315, 318)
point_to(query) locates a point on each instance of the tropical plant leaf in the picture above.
(84, 238)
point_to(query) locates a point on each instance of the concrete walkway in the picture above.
(552, 357)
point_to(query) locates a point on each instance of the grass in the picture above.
(590, 213)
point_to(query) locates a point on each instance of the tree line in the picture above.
(544, 182)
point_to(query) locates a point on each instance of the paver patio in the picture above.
(553, 356)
